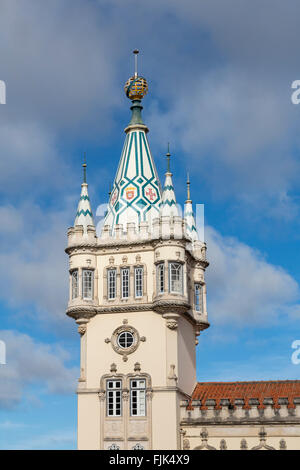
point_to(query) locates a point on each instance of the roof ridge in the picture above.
(250, 382)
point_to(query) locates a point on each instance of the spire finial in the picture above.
(136, 51)
(188, 187)
(84, 167)
(168, 155)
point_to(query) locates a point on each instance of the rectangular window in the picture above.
(114, 398)
(138, 397)
(138, 282)
(87, 284)
(198, 298)
(160, 278)
(175, 278)
(111, 283)
(74, 284)
(125, 283)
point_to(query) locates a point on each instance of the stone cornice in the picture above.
(119, 243)
(243, 421)
(88, 311)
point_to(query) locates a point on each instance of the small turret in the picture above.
(168, 206)
(84, 216)
(191, 230)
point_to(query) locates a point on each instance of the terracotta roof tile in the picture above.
(274, 389)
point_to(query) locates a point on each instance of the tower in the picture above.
(137, 294)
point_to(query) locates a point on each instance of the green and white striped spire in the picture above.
(84, 214)
(168, 206)
(135, 196)
(191, 230)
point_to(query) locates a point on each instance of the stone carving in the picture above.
(244, 445)
(282, 444)
(186, 444)
(223, 445)
(114, 447)
(101, 395)
(172, 375)
(138, 446)
(137, 367)
(114, 340)
(172, 324)
(111, 260)
(204, 438)
(138, 258)
(124, 259)
(113, 368)
(81, 329)
(263, 438)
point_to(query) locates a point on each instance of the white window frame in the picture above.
(126, 334)
(160, 278)
(87, 291)
(172, 280)
(75, 283)
(138, 397)
(111, 283)
(138, 281)
(125, 283)
(198, 297)
(114, 398)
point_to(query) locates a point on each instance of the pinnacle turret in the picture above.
(168, 205)
(84, 214)
(191, 230)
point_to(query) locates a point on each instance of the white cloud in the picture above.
(29, 362)
(243, 287)
(59, 439)
(34, 267)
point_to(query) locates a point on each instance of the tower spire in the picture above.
(135, 195)
(84, 214)
(168, 205)
(190, 224)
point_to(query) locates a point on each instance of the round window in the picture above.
(125, 339)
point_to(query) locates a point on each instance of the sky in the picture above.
(219, 75)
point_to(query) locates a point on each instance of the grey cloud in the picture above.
(243, 287)
(30, 362)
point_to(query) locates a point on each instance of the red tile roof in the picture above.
(274, 389)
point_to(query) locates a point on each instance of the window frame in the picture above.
(123, 270)
(126, 333)
(115, 392)
(160, 278)
(84, 271)
(198, 296)
(136, 269)
(137, 394)
(109, 288)
(75, 271)
(171, 291)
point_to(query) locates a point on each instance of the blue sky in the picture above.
(220, 76)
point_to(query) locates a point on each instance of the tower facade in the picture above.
(138, 296)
